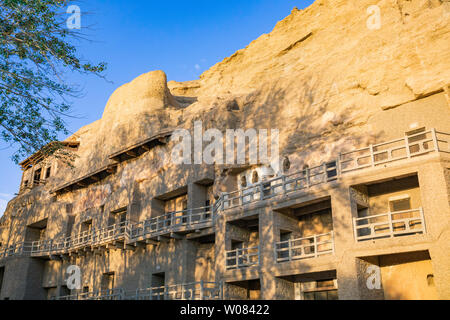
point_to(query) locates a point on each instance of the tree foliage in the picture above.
(36, 52)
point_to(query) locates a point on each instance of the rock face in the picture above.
(336, 76)
(322, 74)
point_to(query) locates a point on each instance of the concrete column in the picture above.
(220, 248)
(434, 197)
(343, 211)
(266, 254)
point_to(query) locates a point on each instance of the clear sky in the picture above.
(183, 38)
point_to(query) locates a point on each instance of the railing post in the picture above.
(372, 155)
(308, 178)
(332, 242)
(290, 249)
(422, 216)
(408, 151)
(339, 164)
(283, 181)
(201, 290)
(315, 246)
(391, 227)
(261, 191)
(355, 230)
(435, 140)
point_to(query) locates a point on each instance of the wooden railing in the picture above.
(242, 258)
(389, 225)
(305, 248)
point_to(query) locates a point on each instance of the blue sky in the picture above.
(183, 38)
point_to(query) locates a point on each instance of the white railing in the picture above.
(407, 147)
(282, 184)
(17, 249)
(115, 232)
(191, 291)
(403, 148)
(242, 258)
(374, 155)
(174, 221)
(388, 225)
(305, 248)
(107, 294)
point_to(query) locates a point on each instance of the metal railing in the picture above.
(191, 291)
(407, 147)
(403, 148)
(116, 232)
(377, 154)
(106, 294)
(17, 249)
(174, 221)
(305, 248)
(389, 225)
(282, 184)
(242, 258)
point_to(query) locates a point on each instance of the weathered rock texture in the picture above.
(323, 77)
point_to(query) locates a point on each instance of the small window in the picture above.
(285, 236)
(37, 176)
(48, 172)
(243, 181)
(331, 169)
(400, 204)
(286, 164)
(430, 280)
(25, 184)
(255, 177)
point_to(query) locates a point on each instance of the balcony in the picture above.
(186, 220)
(242, 258)
(281, 185)
(117, 232)
(109, 294)
(15, 250)
(305, 248)
(403, 148)
(389, 225)
(192, 291)
(407, 147)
